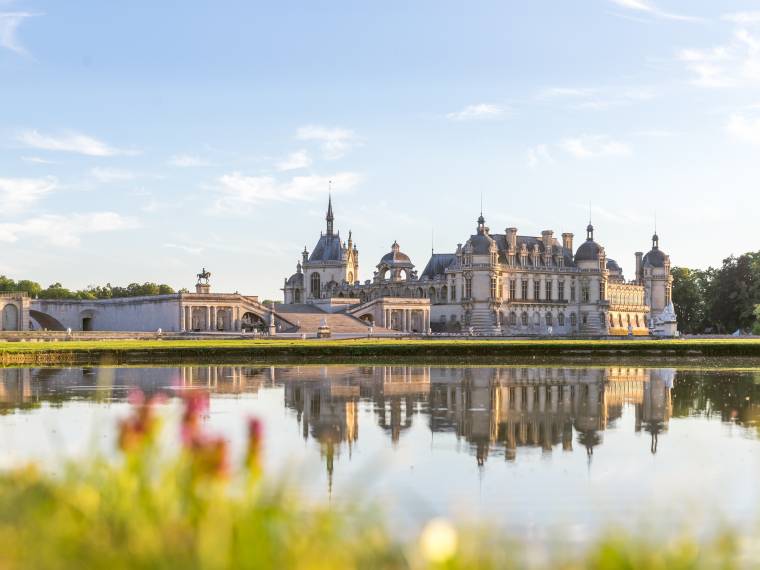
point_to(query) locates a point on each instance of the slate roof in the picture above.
(437, 264)
(328, 248)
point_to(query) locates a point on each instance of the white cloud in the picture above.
(187, 161)
(597, 98)
(594, 146)
(195, 250)
(743, 18)
(744, 128)
(17, 194)
(37, 160)
(70, 142)
(295, 161)
(538, 155)
(9, 25)
(335, 142)
(239, 192)
(481, 111)
(107, 175)
(733, 64)
(648, 8)
(64, 231)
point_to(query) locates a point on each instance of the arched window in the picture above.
(612, 320)
(431, 295)
(512, 318)
(561, 319)
(548, 319)
(297, 296)
(536, 319)
(350, 278)
(620, 321)
(444, 294)
(524, 319)
(315, 285)
(637, 322)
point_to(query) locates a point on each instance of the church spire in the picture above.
(329, 216)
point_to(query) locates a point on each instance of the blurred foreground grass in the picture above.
(195, 510)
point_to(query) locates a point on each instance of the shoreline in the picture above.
(374, 351)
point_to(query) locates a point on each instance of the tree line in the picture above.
(107, 291)
(719, 300)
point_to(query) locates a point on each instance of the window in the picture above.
(572, 291)
(453, 292)
(513, 318)
(524, 319)
(315, 285)
(561, 319)
(601, 290)
(561, 290)
(549, 290)
(524, 287)
(512, 288)
(536, 290)
(536, 319)
(585, 295)
(493, 287)
(468, 287)
(637, 322)
(548, 319)
(573, 320)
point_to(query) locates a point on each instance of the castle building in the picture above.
(493, 284)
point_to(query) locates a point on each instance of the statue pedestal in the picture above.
(324, 330)
(203, 288)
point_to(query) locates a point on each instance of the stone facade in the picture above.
(202, 311)
(14, 312)
(498, 284)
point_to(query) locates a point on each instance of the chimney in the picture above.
(547, 236)
(639, 268)
(567, 242)
(512, 238)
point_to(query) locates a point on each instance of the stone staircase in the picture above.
(482, 321)
(339, 323)
(592, 326)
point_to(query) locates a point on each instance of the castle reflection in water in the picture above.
(496, 410)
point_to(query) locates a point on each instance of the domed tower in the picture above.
(480, 281)
(656, 278)
(395, 266)
(591, 259)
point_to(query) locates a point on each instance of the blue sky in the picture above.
(144, 141)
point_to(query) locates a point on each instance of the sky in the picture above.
(143, 141)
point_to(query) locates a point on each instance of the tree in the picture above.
(756, 329)
(689, 299)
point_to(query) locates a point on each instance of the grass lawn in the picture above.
(280, 350)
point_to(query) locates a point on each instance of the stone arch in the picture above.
(251, 321)
(350, 278)
(420, 293)
(10, 318)
(46, 321)
(368, 318)
(297, 296)
(444, 297)
(431, 295)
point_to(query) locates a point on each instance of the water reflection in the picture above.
(496, 410)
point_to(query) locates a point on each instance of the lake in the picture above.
(538, 450)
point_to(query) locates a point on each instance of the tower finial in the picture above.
(432, 241)
(329, 216)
